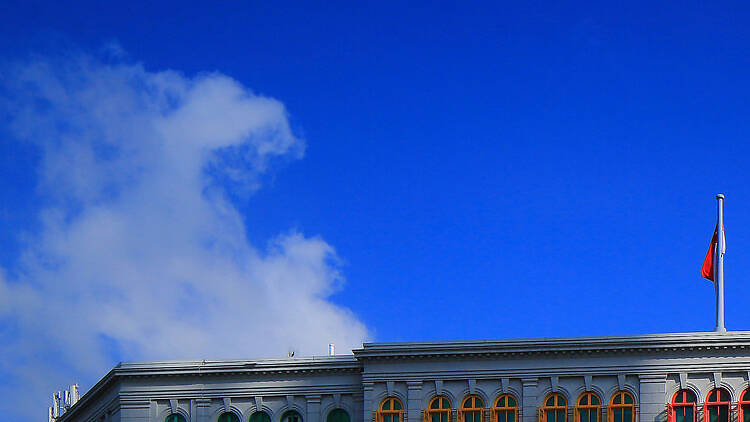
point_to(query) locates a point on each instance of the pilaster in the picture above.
(313, 408)
(651, 397)
(413, 400)
(529, 391)
(368, 392)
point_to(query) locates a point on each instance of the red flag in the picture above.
(707, 271)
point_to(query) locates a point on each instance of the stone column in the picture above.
(313, 408)
(652, 391)
(413, 401)
(529, 387)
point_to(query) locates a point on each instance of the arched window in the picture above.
(291, 416)
(228, 417)
(472, 409)
(175, 417)
(682, 408)
(555, 409)
(588, 408)
(260, 417)
(391, 410)
(622, 407)
(716, 406)
(743, 407)
(439, 410)
(505, 409)
(338, 415)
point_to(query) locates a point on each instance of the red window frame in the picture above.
(717, 403)
(744, 400)
(684, 403)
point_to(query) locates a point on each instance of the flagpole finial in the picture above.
(720, 196)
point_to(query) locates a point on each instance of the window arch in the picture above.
(338, 415)
(621, 407)
(588, 408)
(472, 409)
(743, 407)
(716, 406)
(260, 416)
(228, 417)
(682, 408)
(554, 409)
(291, 416)
(391, 410)
(175, 417)
(439, 410)
(505, 409)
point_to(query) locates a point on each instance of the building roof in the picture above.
(422, 350)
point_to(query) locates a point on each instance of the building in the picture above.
(684, 377)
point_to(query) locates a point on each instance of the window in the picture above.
(682, 408)
(439, 410)
(716, 406)
(228, 417)
(291, 416)
(338, 415)
(391, 410)
(555, 409)
(505, 409)
(622, 407)
(472, 409)
(743, 407)
(175, 417)
(260, 417)
(588, 408)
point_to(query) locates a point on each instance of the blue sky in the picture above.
(420, 172)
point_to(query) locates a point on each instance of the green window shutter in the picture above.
(260, 417)
(338, 415)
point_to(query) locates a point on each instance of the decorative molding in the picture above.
(683, 380)
(439, 387)
(290, 401)
(337, 399)
(504, 384)
(389, 387)
(472, 386)
(227, 404)
(554, 382)
(258, 403)
(717, 379)
(620, 382)
(587, 382)
(173, 405)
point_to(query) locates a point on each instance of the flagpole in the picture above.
(720, 249)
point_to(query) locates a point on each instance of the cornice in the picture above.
(559, 345)
(315, 364)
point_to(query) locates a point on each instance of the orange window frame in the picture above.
(555, 407)
(439, 410)
(744, 401)
(496, 409)
(463, 410)
(718, 403)
(391, 412)
(579, 407)
(621, 406)
(673, 404)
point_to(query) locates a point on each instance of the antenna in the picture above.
(62, 401)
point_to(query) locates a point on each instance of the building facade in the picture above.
(684, 377)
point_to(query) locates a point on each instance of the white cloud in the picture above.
(139, 250)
